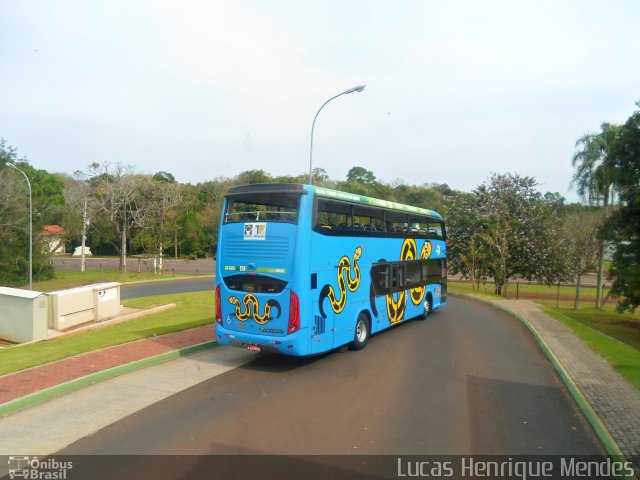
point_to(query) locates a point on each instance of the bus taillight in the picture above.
(218, 306)
(294, 313)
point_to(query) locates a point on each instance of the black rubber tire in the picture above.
(362, 333)
(429, 301)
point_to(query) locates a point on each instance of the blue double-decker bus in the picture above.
(304, 269)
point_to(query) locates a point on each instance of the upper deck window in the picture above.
(263, 207)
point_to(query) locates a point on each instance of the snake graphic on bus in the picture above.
(348, 277)
(252, 309)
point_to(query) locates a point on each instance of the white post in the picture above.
(83, 264)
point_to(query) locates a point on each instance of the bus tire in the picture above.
(362, 333)
(428, 306)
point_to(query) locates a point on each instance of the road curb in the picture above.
(81, 382)
(601, 431)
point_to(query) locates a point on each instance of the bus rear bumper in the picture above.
(288, 345)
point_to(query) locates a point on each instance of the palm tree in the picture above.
(593, 178)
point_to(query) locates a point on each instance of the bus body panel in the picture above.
(330, 251)
(330, 277)
(247, 267)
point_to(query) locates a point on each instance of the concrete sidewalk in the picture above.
(609, 402)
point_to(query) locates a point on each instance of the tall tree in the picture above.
(580, 236)
(466, 251)
(48, 201)
(593, 178)
(361, 175)
(158, 198)
(512, 229)
(115, 191)
(624, 225)
(253, 176)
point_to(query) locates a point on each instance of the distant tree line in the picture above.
(505, 229)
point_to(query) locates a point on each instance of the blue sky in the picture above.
(204, 89)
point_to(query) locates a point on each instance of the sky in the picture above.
(205, 89)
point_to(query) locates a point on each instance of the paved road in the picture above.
(468, 380)
(181, 266)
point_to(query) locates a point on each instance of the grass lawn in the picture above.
(624, 327)
(535, 291)
(616, 337)
(192, 310)
(624, 358)
(72, 279)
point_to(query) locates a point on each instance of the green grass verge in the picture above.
(192, 310)
(534, 290)
(64, 279)
(466, 288)
(624, 358)
(624, 327)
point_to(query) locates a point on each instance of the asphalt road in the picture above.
(135, 264)
(468, 380)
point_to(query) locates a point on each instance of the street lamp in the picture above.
(359, 88)
(30, 225)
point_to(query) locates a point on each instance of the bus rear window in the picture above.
(254, 284)
(263, 207)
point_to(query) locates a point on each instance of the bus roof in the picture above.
(329, 193)
(375, 202)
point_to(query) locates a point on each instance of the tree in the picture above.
(319, 176)
(253, 176)
(116, 195)
(580, 237)
(593, 178)
(624, 225)
(361, 175)
(165, 177)
(419, 196)
(48, 202)
(79, 212)
(466, 251)
(506, 229)
(158, 198)
(13, 229)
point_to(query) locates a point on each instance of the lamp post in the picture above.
(358, 88)
(30, 225)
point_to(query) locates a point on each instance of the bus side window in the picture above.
(332, 217)
(390, 277)
(368, 219)
(435, 229)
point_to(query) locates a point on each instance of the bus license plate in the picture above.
(253, 347)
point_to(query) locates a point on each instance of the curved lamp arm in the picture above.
(30, 224)
(358, 88)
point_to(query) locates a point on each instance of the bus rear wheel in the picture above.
(362, 333)
(428, 307)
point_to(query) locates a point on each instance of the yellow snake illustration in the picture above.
(348, 277)
(396, 307)
(252, 306)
